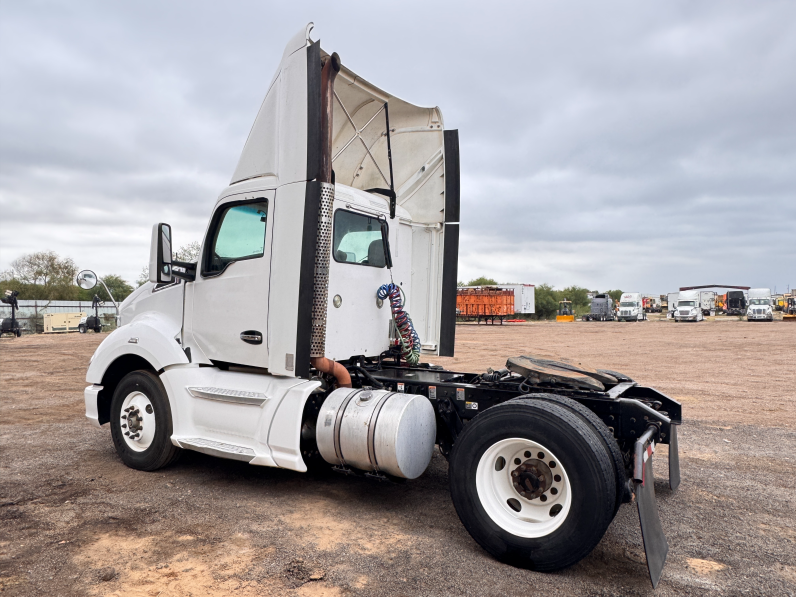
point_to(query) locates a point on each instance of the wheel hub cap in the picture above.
(137, 421)
(532, 478)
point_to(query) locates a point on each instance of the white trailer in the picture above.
(759, 305)
(672, 304)
(344, 199)
(707, 302)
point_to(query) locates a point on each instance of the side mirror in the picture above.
(87, 279)
(160, 255)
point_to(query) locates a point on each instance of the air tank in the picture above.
(377, 430)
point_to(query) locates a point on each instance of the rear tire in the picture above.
(525, 532)
(140, 404)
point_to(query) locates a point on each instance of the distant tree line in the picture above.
(547, 297)
(45, 275)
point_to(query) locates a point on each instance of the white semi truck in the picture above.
(689, 307)
(342, 216)
(631, 307)
(759, 308)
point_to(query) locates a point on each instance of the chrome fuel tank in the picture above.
(377, 430)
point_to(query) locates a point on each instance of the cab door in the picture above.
(229, 314)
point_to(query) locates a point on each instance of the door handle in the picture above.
(251, 337)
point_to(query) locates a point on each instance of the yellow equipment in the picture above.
(790, 310)
(565, 312)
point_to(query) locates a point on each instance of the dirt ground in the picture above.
(75, 521)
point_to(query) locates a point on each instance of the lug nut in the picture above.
(127, 433)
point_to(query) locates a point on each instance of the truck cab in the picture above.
(689, 306)
(631, 307)
(760, 307)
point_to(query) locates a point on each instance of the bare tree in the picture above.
(45, 268)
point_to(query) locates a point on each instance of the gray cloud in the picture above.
(603, 144)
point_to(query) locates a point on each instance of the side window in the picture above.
(357, 239)
(238, 233)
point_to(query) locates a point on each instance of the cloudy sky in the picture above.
(641, 146)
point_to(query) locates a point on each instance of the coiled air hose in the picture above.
(410, 341)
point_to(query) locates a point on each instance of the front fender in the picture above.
(150, 336)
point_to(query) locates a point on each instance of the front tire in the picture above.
(81, 328)
(141, 424)
(544, 532)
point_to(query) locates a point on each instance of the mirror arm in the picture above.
(190, 270)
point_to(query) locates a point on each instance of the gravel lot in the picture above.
(75, 521)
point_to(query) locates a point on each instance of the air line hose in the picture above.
(410, 341)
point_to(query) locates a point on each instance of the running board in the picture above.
(656, 548)
(220, 449)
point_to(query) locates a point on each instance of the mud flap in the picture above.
(674, 459)
(656, 547)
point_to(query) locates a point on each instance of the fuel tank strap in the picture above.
(374, 416)
(337, 424)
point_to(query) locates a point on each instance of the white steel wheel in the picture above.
(523, 487)
(137, 420)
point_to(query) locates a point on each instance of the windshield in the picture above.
(686, 304)
(628, 304)
(760, 301)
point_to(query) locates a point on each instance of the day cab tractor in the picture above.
(341, 218)
(10, 325)
(565, 312)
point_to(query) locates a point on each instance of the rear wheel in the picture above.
(141, 424)
(533, 484)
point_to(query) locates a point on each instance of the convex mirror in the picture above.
(87, 279)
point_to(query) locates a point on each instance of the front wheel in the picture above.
(141, 424)
(81, 328)
(533, 484)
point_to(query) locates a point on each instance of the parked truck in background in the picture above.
(631, 307)
(760, 307)
(689, 307)
(721, 301)
(707, 302)
(652, 304)
(341, 218)
(672, 304)
(735, 302)
(601, 309)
